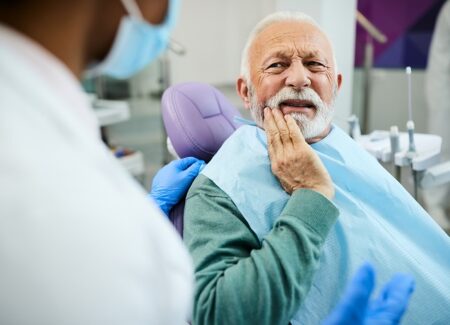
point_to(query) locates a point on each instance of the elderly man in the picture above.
(256, 233)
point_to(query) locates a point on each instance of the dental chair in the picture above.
(198, 119)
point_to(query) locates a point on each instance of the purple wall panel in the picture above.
(408, 24)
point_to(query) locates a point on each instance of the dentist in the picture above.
(80, 243)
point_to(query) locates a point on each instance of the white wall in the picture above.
(214, 33)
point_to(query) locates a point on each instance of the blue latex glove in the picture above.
(172, 181)
(387, 309)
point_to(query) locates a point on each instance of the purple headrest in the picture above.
(198, 119)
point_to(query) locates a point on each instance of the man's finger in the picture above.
(282, 127)
(273, 136)
(294, 131)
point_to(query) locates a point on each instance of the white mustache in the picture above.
(310, 128)
(285, 94)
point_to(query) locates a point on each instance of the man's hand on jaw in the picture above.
(293, 161)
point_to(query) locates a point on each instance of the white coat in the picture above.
(80, 243)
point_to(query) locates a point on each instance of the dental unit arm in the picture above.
(426, 161)
(420, 152)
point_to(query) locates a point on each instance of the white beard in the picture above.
(310, 128)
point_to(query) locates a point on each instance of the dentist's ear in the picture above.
(243, 91)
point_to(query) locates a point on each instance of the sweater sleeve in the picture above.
(240, 280)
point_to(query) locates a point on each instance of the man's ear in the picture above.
(339, 80)
(243, 92)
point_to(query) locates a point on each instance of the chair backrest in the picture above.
(198, 119)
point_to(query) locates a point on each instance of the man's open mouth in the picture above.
(296, 105)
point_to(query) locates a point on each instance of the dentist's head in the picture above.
(140, 38)
(112, 37)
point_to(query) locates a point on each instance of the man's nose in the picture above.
(298, 76)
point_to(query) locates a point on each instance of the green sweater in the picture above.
(240, 280)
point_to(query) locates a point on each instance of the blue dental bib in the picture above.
(379, 222)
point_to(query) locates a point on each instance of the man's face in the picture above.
(292, 68)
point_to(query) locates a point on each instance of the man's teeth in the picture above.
(298, 105)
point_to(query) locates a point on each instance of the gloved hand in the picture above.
(172, 181)
(356, 308)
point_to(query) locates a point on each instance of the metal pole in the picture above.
(368, 64)
(164, 82)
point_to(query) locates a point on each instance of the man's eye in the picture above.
(316, 65)
(276, 65)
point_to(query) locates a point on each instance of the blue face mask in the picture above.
(137, 42)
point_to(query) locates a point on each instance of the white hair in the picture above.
(276, 17)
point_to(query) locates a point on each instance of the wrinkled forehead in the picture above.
(290, 38)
